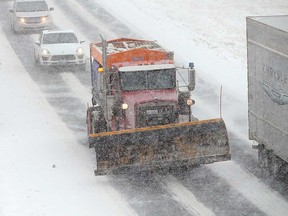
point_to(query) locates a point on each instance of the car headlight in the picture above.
(45, 52)
(21, 19)
(44, 18)
(79, 51)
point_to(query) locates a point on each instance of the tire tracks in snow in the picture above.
(16, 69)
(251, 188)
(80, 16)
(75, 85)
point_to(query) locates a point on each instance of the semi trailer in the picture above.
(267, 65)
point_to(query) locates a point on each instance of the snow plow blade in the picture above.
(161, 147)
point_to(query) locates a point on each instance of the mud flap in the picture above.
(165, 146)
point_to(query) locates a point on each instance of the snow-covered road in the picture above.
(46, 171)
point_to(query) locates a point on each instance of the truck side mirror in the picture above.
(191, 76)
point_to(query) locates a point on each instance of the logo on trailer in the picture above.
(275, 84)
(277, 95)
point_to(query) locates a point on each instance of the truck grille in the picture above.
(63, 57)
(150, 115)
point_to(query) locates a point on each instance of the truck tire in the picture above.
(98, 122)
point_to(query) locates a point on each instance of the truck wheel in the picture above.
(98, 122)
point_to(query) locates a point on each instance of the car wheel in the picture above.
(38, 64)
(44, 68)
(36, 61)
(14, 28)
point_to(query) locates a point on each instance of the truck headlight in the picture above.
(124, 106)
(45, 52)
(190, 102)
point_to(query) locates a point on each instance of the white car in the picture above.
(30, 15)
(59, 48)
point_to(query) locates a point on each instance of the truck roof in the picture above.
(276, 21)
(126, 44)
(128, 50)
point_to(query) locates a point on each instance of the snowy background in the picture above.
(46, 171)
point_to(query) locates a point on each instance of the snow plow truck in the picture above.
(140, 117)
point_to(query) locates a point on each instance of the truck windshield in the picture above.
(31, 6)
(148, 80)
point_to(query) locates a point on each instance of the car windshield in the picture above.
(143, 80)
(31, 6)
(55, 38)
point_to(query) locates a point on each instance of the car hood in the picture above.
(33, 14)
(61, 49)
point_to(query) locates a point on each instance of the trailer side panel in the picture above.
(267, 60)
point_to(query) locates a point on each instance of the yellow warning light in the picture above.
(100, 70)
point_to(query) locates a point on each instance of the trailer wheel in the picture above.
(283, 172)
(264, 161)
(271, 165)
